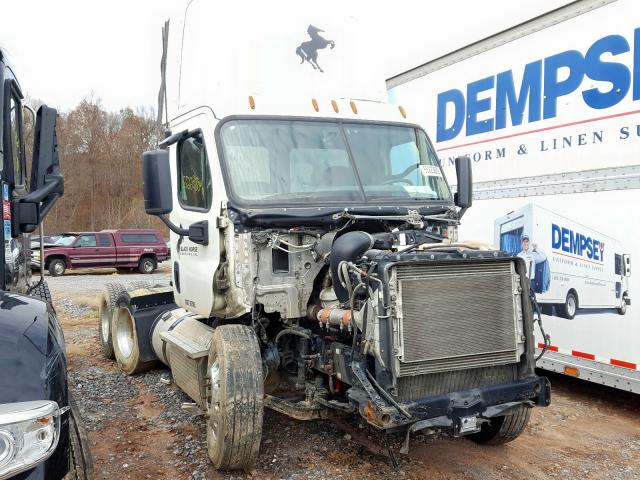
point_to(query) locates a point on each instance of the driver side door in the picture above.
(84, 252)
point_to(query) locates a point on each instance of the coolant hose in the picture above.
(347, 247)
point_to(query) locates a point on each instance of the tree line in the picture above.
(101, 160)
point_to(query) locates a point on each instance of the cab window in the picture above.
(86, 241)
(104, 240)
(194, 179)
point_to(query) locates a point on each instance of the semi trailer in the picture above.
(548, 111)
(316, 264)
(40, 434)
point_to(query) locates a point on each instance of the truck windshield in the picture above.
(295, 161)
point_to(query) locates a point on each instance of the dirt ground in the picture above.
(137, 429)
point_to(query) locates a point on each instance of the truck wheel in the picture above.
(569, 308)
(147, 265)
(126, 345)
(41, 291)
(503, 429)
(235, 403)
(622, 309)
(57, 267)
(108, 298)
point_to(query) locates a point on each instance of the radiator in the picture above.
(457, 316)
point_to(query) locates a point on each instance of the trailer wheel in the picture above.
(503, 429)
(126, 344)
(235, 401)
(57, 267)
(569, 308)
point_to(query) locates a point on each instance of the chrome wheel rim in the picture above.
(105, 319)
(214, 403)
(571, 306)
(58, 268)
(148, 266)
(124, 333)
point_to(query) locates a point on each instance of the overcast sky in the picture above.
(64, 50)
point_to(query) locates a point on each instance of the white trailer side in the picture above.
(549, 112)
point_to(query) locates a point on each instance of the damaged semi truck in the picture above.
(317, 266)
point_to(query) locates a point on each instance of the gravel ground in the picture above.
(138, 430)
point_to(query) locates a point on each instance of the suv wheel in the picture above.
(147, 265)
(57, 267)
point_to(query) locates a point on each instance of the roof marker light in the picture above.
(252, 103)
(402, 111)
(353, 106)
(334, 104)
(314, 102)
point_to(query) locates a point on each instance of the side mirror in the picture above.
(464, 196)
(158, 199)
(626, 259)
(156, 177)
(47, 183)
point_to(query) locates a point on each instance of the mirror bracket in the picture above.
(197, 232)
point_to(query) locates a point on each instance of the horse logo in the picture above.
(309, 50)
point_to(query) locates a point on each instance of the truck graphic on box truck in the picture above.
(581, 267)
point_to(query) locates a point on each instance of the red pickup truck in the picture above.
(122, 249)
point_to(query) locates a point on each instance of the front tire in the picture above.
(622, 309)
(147, 265)
(503, 429)
(235, 403)
(569, 308)
(57, 267)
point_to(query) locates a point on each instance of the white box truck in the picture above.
(570, 266)
(549, 113)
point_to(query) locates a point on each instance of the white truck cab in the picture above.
(317, 265)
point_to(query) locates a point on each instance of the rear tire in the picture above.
(126, 344)
(57, 267)
(108, 299)
(569, 308)
(147, 265)
(235, 403)
(503, 429)
(622, 309)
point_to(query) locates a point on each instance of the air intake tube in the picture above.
(347, 247)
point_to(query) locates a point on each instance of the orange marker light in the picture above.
(314, 102)
(334, 104)
(402, 112)
(353, 106)
(252, 103)
(574, 372)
